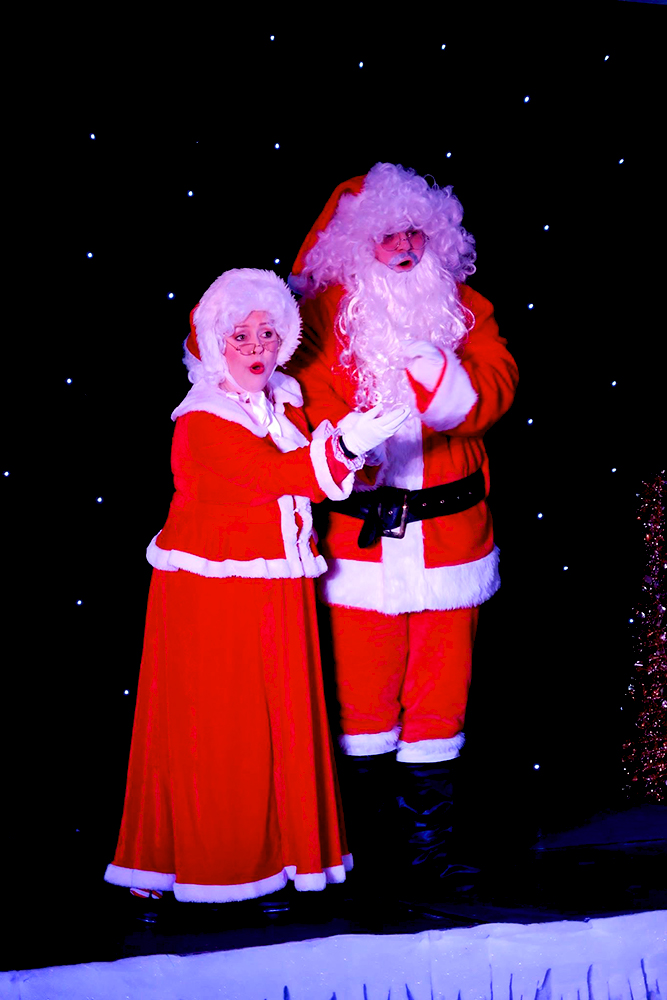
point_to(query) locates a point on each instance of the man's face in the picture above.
(401, 251)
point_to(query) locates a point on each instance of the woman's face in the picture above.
(252, 371)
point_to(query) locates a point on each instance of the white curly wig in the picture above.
(391, 200)
(225, 304)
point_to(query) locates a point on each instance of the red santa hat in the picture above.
(228, 301)
(352, 187)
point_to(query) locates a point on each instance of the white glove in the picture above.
(424, 361)
(362, 432)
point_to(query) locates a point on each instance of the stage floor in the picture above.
(613, 865)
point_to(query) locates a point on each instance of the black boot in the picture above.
(369, 806)
(431, 858)
(370, 810)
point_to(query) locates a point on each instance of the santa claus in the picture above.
(389, 320)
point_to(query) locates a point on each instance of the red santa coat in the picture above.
(442, 563)
(231, 785)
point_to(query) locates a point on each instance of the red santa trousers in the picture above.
(231, 784)
(409, 670)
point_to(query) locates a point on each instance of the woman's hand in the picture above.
(362, 432)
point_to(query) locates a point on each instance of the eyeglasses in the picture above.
(415, 238)
(270, 341)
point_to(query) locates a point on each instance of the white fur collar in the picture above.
(211, 399)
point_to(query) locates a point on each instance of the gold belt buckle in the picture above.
(398, 532)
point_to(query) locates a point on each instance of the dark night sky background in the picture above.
(193, 104)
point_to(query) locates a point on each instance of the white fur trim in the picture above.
(207, 398)
(404, 458)
(318, 457)
(369, 744)
(351, 583)
(430, 751)
(191, 893)
(134, 878)
(454, 397)
(305, 564)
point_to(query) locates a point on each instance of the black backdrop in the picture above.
(193, 105)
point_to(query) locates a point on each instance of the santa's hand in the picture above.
(362, 432)
(424, 361)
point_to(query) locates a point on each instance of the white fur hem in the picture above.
(454, 397)
(134, 878)
(351, 583)
(172, 560)
(191, 893)
(369, 744)
(430, 751)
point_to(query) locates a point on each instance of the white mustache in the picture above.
(398, 258)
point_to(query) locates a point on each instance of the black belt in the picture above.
(387, 510)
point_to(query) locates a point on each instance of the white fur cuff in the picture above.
(369, 744)
(430, 751)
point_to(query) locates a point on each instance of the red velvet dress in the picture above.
(231, 785)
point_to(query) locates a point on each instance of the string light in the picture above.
(530, 305)
(190, 194)
(92, 135)
(170, 295)
(361, 65)
(526, 100)
(89, 255)
(530, 420)
(276, 145)
(540, 516)
(100, 500)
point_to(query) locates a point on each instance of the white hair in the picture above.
(230, 300)
(392, 200)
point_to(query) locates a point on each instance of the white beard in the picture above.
(385, 310)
